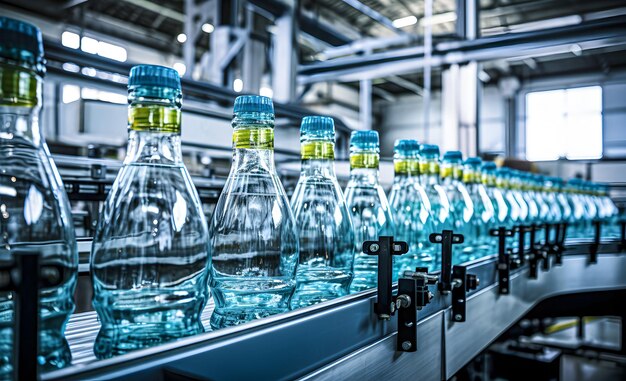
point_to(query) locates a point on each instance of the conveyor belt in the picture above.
(344, 339)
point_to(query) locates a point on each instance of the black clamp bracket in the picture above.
(25, 276)
(521, 230)
(504, 259)
(446, 239)
(546, 249)
(595, 246)
(413, 293)
(537, 253)
(559, 243)
(622, 244)
(462, 283)
(454, 279)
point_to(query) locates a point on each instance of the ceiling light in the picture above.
(404, 21)
(180, 68)
(181, 38)
(71, 40)
(207, 28)
(266, 92)
(89, 45)
(237, 85)
(440, 18)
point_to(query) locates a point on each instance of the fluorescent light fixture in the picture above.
(89, 71)
(181, 38)
(208, 28)
(266, 92)
(404, 21)
(237, 85)
(440, 18)
(111, 51)
(70, 40)
(68, 66)
(89, 45)
(180, 68)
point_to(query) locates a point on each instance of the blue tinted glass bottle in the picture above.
(151, 250)
(326, 260)
(368, 206)
(461, 204)
(253, 231)
(484, 218)
(500, 206)
(35, 213)
(440, 208)
(411, 208)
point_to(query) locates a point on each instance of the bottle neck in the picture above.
(20, 103)
(429, 171)
(364, 167)
(253, 145)
(405, 168)
(318, 158)
(154, 126)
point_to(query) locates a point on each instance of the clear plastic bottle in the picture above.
(35, 213)
(462, 206)
(484, 218)
(253, 231)
(440, 207)
(368, 206)
(500, 206)
(411, 208)
(325, 269)
(151, 248)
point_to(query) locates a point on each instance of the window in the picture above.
(564, 123)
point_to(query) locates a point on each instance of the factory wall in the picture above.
(404, 119)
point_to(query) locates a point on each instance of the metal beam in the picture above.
(599, 33)
(165, 11)
(373, 15)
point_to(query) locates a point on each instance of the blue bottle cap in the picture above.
(364, 140)
(489, 166)
(473, 161)
(429, 149)
(317, 127)
(406, 147)
(453, 156)
(253, 104)
(153, 76)
(22, 42)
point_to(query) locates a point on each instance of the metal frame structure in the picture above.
(350, 341)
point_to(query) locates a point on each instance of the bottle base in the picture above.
(308, 294)
(54, 353)
(117, 340)
(228, 317)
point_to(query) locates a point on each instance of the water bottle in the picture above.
(461, 204)
(411, 208)
(151, 248)
(35, 214)
(368, 206)
(484, 218)
(254, 235)
(500, 206)
(326, 262)
(440, 208)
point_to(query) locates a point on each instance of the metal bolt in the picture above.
(383, 317)
(374, 247)
(505, 290)
(406, 345)
(458, 317)
(503, 279)
(408, 324)
(438, 238)
(477, 282)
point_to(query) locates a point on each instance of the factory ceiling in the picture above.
(326, 24)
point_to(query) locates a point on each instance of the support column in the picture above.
(365, 103)
(253, 64)
(285, 55)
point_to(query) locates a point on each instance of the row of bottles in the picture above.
(155, 260)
